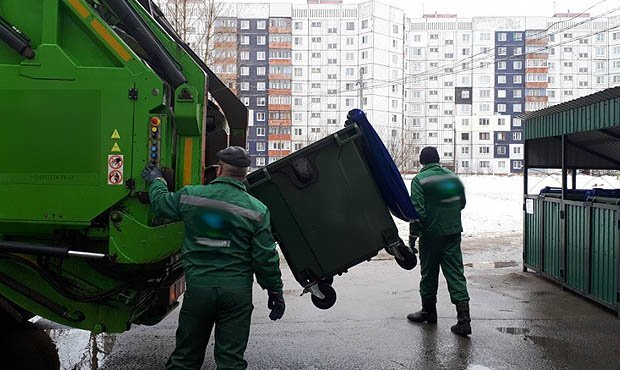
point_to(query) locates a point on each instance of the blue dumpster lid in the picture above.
(384, 170)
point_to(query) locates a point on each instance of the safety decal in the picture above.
(115, 148)
(116, 163)
(115, 135)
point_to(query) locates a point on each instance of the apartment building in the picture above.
(459, 84)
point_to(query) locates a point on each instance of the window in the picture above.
(517, 79)
(517, 50)
(485, 93)
(260, 116)
(465, 150)
(517, 136)
(331, 106)
(332, 45)
(502, 150)
(245, 71)
(261, 40)
(315, 39)
(350, 26)
(501, 50)
(298, 26)
(244, 55)
(517, 93)
(316, 55)
(501, 108)
(260, 131)
(332, 30)
(517, 65)
(485, 164)
(501, 36)
(332, 61)
(516, 150)
(365, 24)
(501, 79)
(315, 115)
(465, 94)
(332, 76)
(315, 24)
(245, 86)
(260, 101)
(501, 121)
(516, 108)
(483, 121)
(484, 150)
(261, 25)
(517, 36)
(260, 161)
(485, 36)
(465, 37)
(599, 52)
(465, 51)
(260, 147)
(245, 40)
(260, 55)
(501, 136)
(260, 86)
(245, 25)
(465, 136)
(501, 65)
(501, 93)
(465, 121)
(484, 136)
(245, 100)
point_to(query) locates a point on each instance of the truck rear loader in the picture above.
(91, 91)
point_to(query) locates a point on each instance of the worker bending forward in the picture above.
(439, 197)
(227, 240)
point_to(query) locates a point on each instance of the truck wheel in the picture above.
(409, 260)
(330, 297)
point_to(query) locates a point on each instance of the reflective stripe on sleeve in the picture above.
(450, 200)
(212, 242)
(218, 204)
(435, 178)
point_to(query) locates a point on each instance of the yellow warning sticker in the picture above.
(115, 148)
(115, 135)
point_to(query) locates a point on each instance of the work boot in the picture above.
(463, 326)
(428, 313)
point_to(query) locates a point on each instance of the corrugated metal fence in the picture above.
(576, 244)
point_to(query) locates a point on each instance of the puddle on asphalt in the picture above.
(32, 347)
(513, 330)
(492, 265)
(81, 350)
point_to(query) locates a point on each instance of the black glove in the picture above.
(276, 305)
(412, 240)
(150, 173)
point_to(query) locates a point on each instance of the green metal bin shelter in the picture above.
(572, 237)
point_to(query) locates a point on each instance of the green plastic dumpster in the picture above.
(327, 213)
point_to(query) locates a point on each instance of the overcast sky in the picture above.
(471, 8)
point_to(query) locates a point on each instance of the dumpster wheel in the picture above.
(409, 259)
(328, 301)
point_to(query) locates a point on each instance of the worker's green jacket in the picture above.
(439, 197)
(227, 234)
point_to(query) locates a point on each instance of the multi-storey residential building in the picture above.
(459, 84)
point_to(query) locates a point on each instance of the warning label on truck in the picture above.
(115, 169)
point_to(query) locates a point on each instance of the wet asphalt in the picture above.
(520, 321)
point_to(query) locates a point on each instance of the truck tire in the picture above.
(29, 348)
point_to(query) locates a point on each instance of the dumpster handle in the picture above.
(266, 178)
(342, 141)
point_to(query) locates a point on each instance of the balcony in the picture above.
(280, 45)
(280, 62)
(537, 70)
(285, 137)
(537, 56)
(225, 45)
(225, 30)
(279, 153)
(279, 76)
(287, 107)
(280, 122)
(536, 85)
(286, 92)
(285, 30)
(537, 41)
(536, 99)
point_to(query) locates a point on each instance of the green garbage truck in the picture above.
(90, 92)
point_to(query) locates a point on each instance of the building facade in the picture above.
(459, 84)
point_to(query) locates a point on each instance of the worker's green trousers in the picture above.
(444, 251)
(229, 310)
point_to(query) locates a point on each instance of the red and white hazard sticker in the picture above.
(116, 163)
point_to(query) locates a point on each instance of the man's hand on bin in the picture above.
(276, 305)
(151, 173)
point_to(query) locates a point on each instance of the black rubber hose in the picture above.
(158, 57)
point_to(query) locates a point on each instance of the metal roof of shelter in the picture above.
(589, 126)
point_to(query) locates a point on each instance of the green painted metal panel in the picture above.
(551, 238)
(604, 269)
(577, 239)
(594, 116)
(533, 234)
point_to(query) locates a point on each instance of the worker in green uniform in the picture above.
(227, 240)
(439, 197)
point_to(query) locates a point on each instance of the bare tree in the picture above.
(194, 21)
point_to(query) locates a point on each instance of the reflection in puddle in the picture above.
(81, 350)
(513, 331)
